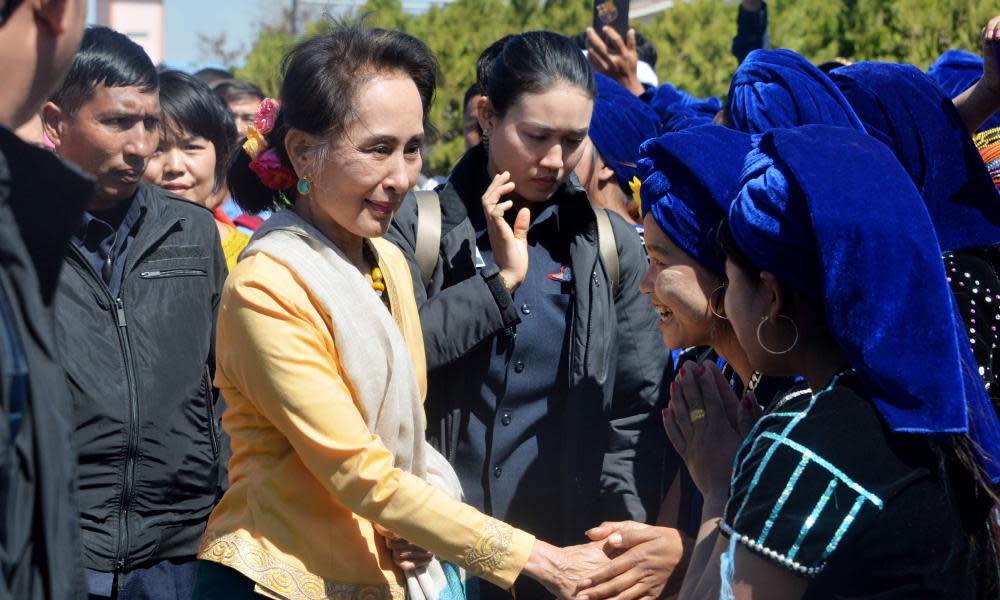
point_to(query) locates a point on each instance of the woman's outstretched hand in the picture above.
(561, 570)
(509, 243)
(647, 562)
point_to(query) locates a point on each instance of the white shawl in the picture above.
(373, 355)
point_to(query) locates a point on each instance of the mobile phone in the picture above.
(611, 13)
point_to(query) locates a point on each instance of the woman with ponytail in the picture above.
(544, 369)
(333, 490)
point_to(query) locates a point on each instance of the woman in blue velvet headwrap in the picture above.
(781, 88)
(881, 483)
(902, 107)
(689, 179)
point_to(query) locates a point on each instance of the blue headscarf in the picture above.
(679, 110)
(808, 213)
(902, 108)
(780, 88)
(689, 179)
(956, 71)
(682, 118)
(620, 124)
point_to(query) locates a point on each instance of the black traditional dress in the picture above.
(824, 489)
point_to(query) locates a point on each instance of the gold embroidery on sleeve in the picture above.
(283, 580)
(490, 551)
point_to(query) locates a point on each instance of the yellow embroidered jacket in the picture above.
(307, 477)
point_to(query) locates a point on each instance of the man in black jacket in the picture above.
(41, 200)
(135, 319)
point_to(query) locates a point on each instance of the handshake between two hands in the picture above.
(624, 560)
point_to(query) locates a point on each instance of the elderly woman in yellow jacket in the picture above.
(333, 490)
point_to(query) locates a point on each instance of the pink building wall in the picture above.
(141, 20)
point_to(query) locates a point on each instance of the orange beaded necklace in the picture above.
(378, 281)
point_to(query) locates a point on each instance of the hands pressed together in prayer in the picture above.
(706, 424)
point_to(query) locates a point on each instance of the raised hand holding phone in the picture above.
(615, 56)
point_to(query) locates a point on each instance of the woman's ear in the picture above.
(300, 147)
(771, 294)
(604, 172)
(485, 114)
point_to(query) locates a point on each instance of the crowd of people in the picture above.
(637, 344)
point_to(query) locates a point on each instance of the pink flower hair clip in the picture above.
(264, 161)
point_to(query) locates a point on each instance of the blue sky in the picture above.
(238, 18)
(187, 18)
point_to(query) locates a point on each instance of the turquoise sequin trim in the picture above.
(813, 516)
(844, 526)
(785, 493)
(807, 459)
(819, 460)
(770, 454)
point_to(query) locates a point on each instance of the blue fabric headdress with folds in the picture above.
(689, 179)
(830, 211)
(780, 88)
(955, 71)
(902, 108)
(678, 110)
(620, 124)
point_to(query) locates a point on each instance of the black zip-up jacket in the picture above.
(613, 446)
(140, 368)
(41, 200)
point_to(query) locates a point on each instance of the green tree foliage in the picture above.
(263, 65)
(692, 40)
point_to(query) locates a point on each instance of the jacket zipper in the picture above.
(131, 449)
(173, 273)
(133, 438)
(139, 251)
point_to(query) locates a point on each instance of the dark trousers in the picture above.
(219, 582)
(167, 580)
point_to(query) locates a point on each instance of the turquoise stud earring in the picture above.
(304, 186)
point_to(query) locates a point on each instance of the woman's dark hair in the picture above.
(213, 75)
(190, 108)
(106, 58)
(234, 90)
(322, 77)
(531, 63)
(8, 9)
(724, 237)
(470, 92)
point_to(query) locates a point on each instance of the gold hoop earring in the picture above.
(711, 302)
(786, 350)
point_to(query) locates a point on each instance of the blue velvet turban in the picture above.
(679, 110)
(780, 88)
(902, 108)
(620, 124)
(830, 211)
(689, 179)
(682, 118)
(955, 71)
